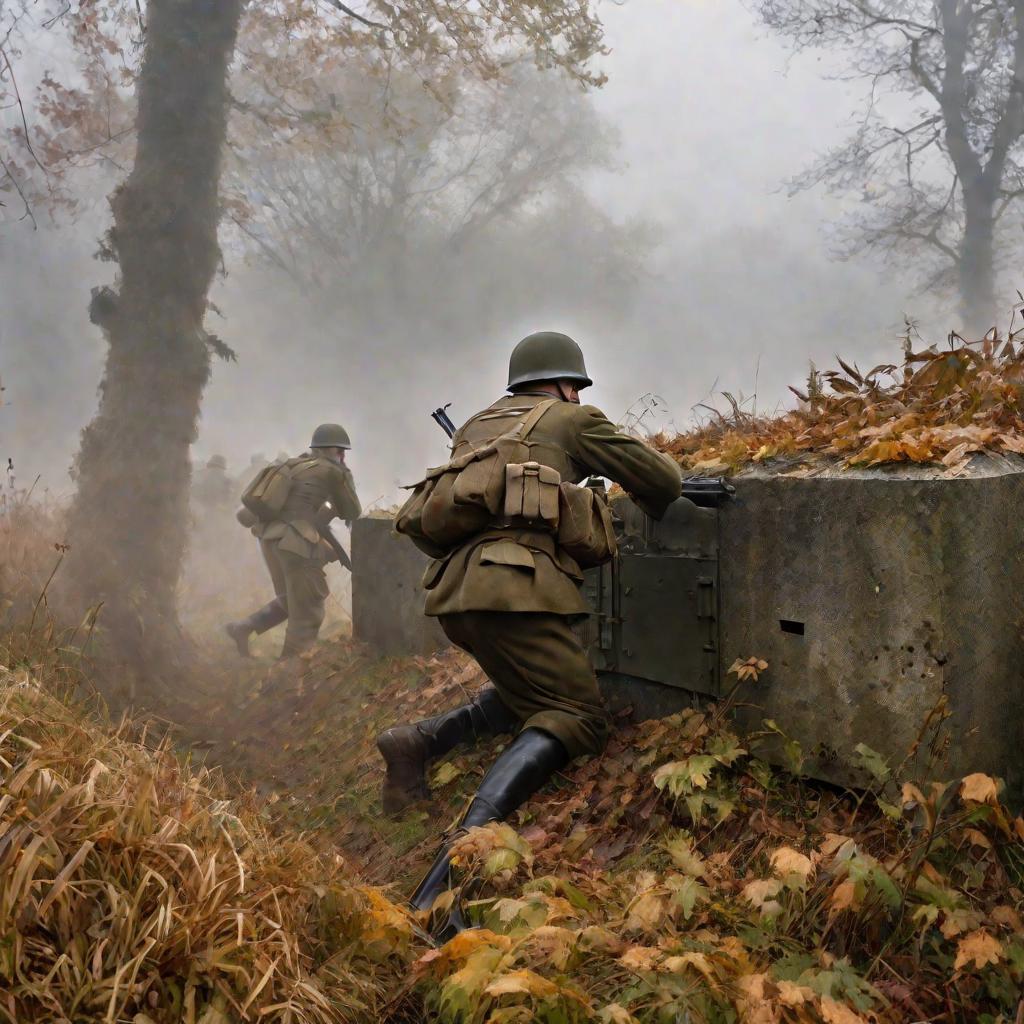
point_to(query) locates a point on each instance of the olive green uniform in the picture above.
(295, 551)
(509, 596)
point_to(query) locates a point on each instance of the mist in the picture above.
(728, 283)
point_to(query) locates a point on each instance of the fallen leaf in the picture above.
(979, 948)
(786, 861)
(979, 788)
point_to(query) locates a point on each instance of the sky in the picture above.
(739, 293)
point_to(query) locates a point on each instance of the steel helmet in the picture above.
(547, 355)
(217, 462)
(330, 435)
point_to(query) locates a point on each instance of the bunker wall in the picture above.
(387, 599)
(889, 610)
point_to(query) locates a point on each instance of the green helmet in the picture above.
(217, 462)
(330, 435)
(547, 355)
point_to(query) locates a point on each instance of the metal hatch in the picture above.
(656, 606)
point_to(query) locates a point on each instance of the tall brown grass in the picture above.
(130, 889)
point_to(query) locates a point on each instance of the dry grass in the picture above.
(939, 405)
(131, 890)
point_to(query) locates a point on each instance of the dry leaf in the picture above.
(786, 861)
(979, 948)
(838, 1013)
(980, 788)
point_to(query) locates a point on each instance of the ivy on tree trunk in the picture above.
(129, 521)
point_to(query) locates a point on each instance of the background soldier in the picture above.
(509, 596)
(213, 487)
(295, 547)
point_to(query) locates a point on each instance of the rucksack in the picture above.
(460, 499)
(268, 491)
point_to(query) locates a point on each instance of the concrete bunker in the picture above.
(889, 604)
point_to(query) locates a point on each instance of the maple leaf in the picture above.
(698, 961)
(524, 982)
(978, 948)
(979, 788)
(748, 668)
(684, 856)
(646, 912)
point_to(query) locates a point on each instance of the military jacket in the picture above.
(517, 570)
(321, 491)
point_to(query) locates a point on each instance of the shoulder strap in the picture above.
(527, 425)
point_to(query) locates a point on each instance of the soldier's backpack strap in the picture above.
(526, 427)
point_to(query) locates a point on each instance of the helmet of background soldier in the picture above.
(547, 355)
(330, 435)
(217, 462)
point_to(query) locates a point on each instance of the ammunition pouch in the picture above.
(585, 530)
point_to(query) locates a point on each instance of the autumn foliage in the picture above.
(938, 406)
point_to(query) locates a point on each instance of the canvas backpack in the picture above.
(268, 491)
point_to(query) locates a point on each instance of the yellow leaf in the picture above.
(554, 944)
(843, 898)
(978, 839)
(761, 893)
(786, 861)
(676, 964)
(646, 912)
(523, 982)
(641, 958)
(978, 948)
(980, 788)
(792, 994)
(613, 1013)
(838, 1013)
(833, 843)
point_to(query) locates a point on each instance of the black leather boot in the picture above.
(406, 749)
(522, 768)
(273, 613)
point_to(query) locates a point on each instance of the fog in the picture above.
(738, 289)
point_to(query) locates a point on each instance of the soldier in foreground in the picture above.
(509, 592)
(289, 507)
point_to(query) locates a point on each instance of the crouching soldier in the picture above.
(289, 506)
(508, 589)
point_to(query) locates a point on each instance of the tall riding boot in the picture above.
(271, 614)
(521, 769)
(407, 748)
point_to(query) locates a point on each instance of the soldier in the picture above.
(294, 545)
(508, 597)
(212, 487)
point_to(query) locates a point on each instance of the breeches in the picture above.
(540, 671)
(301, 584)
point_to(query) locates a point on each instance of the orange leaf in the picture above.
(978, 948)
(980, 788)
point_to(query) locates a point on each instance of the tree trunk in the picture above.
(128, 523)
(977, 262)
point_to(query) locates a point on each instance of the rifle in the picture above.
(443, 420)
(707, 492)
(328, 535)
